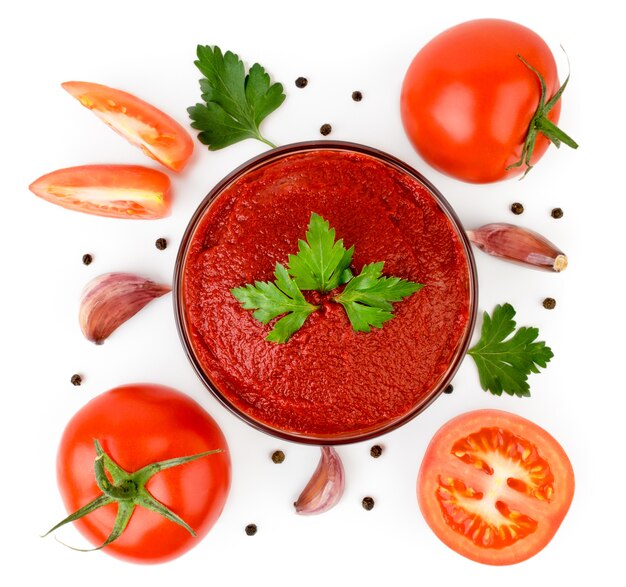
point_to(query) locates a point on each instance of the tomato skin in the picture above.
(158, 135)
(440, 462)
(467, 99)
(137, 425)
(113, 191)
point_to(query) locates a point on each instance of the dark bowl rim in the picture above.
(274, 154)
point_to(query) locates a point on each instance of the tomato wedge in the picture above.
(116, 191)
(494, 487)
(158, 135)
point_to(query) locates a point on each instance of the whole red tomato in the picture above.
(130, 428)
(470, 95)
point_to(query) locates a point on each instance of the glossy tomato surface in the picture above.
(158, 135)
(115, 191)
(494, 486)
(138, 425)
(467, 99)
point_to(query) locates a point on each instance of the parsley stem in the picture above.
(264, 140)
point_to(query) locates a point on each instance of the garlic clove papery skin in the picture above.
(520, 245)
(326, 486)
(109, 300)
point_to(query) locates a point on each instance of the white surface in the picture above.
(148, 48)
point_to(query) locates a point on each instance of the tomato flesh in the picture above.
(494, 487)
(158, 135)
(115, 191)
(467, 99)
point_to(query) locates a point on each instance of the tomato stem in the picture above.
(128, 491)
(541, 123)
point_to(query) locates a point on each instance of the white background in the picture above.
(147, 48)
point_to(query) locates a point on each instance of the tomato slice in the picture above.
(494, 487)
(116, 191)
(158, 135)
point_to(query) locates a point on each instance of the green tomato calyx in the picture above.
(128, 490)
(540, 123)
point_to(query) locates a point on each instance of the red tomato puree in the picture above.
(327, 379)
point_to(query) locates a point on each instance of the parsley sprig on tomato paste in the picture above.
(505, 363)
(323, 264)
(235, 102)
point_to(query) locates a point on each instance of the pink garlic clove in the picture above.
(110, 299)
(325, 487)
(518, 244)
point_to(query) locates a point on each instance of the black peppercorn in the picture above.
(517, 208)
(449, 389)
(367, 503)
(160, 244)
(278, 456)
(376, 451)
(357, 96)
(87, 259)
(76, 379)
(549, 303)
(251, 529)
(556, 213)
(301, 82)
(325, 129)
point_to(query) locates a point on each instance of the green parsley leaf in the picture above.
(235, 103)
(367, 297)
(321, 263)
(271, 299)
(504, 365)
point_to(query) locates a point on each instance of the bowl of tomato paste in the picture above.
(329, 383)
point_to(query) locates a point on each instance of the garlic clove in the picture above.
(518, 244)
(110, 299)
(325, 488)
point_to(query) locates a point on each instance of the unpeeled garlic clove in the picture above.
(110, 299)
(518, 244)
(325, 487)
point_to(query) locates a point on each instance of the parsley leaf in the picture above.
(271, 299)
(235, 103)
(321, 263)
(504, 365)
(367, 297)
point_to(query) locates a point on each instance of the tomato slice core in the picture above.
(504, 458)
(494, 487)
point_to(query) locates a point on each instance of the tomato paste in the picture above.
(327, 380)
